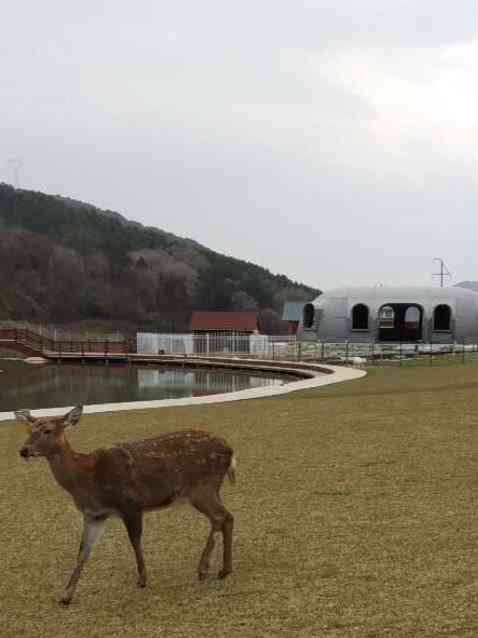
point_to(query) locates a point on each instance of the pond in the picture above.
(52, 385)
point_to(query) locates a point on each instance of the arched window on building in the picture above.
(309, 315)
(360, 317)
(386, 317)
(412, 317)
(442, 317)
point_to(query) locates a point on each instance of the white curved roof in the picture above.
(395, 293)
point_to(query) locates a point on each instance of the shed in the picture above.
(223, 331)
(241, 322)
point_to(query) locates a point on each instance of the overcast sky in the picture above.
(335, 141)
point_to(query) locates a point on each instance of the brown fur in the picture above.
(131, 478)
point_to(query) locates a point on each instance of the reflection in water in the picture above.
(152, 378)
(201, 382)
(23, 386)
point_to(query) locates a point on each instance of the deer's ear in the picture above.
(24, 416)
(73, 416)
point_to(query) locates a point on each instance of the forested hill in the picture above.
(64, 260)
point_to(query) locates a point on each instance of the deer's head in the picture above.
(46, 435)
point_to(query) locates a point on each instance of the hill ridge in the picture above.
(123, 268)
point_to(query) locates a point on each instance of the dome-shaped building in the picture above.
(386, 313)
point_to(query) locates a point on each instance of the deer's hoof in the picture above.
(141, 582)
(223, 573)
(65, 600)
(202, 576)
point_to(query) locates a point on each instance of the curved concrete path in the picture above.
(334, 374)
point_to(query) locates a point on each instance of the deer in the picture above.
(129, 479)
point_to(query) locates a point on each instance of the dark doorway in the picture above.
(400, 322)
(442, 318)
(309, 315)
(360, 317)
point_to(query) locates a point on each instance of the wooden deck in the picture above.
(28, 340)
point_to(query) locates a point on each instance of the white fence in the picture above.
(210, 344)
(286, 347)
(151, 343)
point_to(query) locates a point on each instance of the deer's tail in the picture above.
(231, 470)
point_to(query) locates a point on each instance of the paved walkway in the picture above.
(316, 380)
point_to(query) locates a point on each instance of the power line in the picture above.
(444, 272)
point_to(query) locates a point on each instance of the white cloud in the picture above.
(322, 131)
(425, 99)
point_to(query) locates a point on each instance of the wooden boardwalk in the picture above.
(35, 342)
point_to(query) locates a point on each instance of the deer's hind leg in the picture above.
(133, 522)
(207, 501)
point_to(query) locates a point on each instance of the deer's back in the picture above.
(155, 472)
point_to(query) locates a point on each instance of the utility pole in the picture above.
(444, 272)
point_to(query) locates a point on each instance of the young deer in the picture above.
(131, 478)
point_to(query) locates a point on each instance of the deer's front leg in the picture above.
(134, 524)
(92, 531)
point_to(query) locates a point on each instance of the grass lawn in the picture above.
(356, 513)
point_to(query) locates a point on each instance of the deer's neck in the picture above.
(71, 469)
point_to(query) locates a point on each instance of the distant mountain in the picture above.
(469, 285)
(64, 260)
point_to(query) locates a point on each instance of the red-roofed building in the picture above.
(223, 331)
(242, 322)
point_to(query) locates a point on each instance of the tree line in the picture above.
(64, 260)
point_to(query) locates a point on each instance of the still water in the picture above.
(51, 385)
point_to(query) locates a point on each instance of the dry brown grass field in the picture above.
(355, 515)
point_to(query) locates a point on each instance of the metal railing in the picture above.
(43, 339)
(288, 348)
